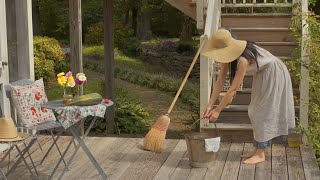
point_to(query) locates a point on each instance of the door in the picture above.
(4, 69)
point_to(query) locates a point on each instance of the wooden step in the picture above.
(233, 130)
(256, 20)
(264, 34)
(278, 48)
(244, 97)
(238, 114)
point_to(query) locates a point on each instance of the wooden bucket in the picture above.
(198, 157)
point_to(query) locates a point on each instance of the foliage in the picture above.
(49, 57)
(95, 34)
(54, 18)
(161, 82)
(313, 46)
(185, 47)
(130, 116)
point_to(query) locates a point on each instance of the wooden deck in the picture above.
(123, 158)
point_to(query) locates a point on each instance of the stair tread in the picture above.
(276, 43)
(260, 29)
(258, 14)
(242, 108)
(228, 126)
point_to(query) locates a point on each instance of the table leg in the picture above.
(74, 133)
(87, 151)
(64, 153)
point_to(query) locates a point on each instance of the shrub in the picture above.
(314, 66)
(125, 40)
(184, 47)
(49, 57)
(94, 35)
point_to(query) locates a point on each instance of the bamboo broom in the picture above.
(154, 140)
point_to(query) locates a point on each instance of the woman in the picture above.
(271, 110)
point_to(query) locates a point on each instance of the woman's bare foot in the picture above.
(258, 157)
(249, 154)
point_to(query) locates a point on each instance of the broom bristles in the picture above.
(155, 139)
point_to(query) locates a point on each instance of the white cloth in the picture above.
(212, 144)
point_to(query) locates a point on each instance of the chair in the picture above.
(7, 148)
(46, 126)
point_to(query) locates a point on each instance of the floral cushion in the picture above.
(27, 100)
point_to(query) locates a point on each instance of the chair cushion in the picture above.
(27, 100)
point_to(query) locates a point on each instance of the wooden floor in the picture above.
(123, 158)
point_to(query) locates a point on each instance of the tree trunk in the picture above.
(186, 34)
(144, 26)
(134, 20)
(109, 64)
(36, 19)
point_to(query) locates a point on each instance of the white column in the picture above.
(24, 39)
(207, 66)
(4, 70)
(304, 83)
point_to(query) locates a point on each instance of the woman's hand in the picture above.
(206, 113)
(214, 114)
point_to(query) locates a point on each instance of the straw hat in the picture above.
(222, 48)
(8, 131)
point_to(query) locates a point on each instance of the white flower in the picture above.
(71, 84)
(82, 78)
(80, 74)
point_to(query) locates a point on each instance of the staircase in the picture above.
(269, 30)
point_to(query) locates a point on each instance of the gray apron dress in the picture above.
(271, 110)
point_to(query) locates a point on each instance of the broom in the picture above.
(154, 140)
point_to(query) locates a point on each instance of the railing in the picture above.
(256, 3)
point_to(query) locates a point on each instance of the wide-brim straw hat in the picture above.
(221, 47)
(8, 131)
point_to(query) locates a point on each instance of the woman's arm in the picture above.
(241, 72)
(218, 86)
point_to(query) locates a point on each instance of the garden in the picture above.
(154, 45)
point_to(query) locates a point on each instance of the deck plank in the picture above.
(183, 169)
(232, 166)
(295, 166)
(109, 164)
(311, 169)
(78, 166)
(221, 157)
(247, 171)
(133, 172)
(197, 173)
(264, 170)
(125, 162)
(279, 162)
(109, 149)
(172, 162)
(152, 167)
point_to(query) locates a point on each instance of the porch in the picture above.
(123, 158)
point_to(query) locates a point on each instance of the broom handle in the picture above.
(187, 75)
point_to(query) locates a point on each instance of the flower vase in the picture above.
(80, 90)
(67, 95)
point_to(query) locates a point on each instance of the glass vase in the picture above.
(67, 95)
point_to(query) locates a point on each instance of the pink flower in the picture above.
(68, 74)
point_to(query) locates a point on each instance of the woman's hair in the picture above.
(250, 53)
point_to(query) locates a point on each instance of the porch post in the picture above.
(4, 71)
(20, 39)
(304, 82)
(75, 36)
(109, 62)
